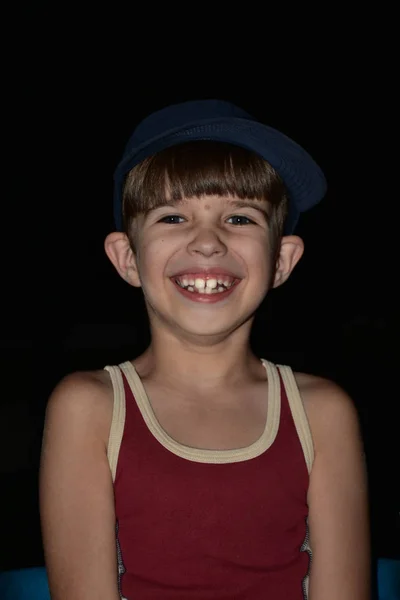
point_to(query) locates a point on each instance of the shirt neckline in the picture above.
(203, 455)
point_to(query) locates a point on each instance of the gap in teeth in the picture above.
(204, 286)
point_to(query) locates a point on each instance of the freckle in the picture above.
(207, 207)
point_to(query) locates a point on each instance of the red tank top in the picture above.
(212, 525)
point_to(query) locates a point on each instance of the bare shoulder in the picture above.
(76, 489)
(318, 389)
(329, 409)
(84, 397)
(88, 383)
(338, 493)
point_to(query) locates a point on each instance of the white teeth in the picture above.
(200, 284)
(204, 286)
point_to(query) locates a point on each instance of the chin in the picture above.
(202, 322)
(205, 332)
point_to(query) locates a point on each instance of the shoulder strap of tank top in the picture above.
(298, 414)
(118, 419)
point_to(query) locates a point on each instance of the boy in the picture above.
(197, 470)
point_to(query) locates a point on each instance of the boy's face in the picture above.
(204, 263)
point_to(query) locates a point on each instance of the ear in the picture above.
(291, 250)
(120, 253)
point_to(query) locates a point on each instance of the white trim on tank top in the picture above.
(204, 455)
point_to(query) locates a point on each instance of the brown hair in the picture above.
(194, 169)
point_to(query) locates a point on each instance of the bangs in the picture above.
(196, 169)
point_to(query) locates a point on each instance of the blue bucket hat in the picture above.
(222, 121)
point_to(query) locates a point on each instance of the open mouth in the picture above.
(214, 284)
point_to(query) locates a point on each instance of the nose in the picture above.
(207, 242)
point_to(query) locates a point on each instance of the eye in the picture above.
(171, 219)
(240, 220)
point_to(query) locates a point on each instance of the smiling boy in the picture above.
(199, 470)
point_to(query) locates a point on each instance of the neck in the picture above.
(183, 363)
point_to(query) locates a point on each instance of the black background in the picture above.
(72, 101)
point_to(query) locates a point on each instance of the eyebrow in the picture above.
(234, 203)
(249, 204)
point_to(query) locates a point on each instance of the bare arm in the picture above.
(76, 492)
(338, 517)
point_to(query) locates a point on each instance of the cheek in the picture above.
(152, 260)
(256, 255)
